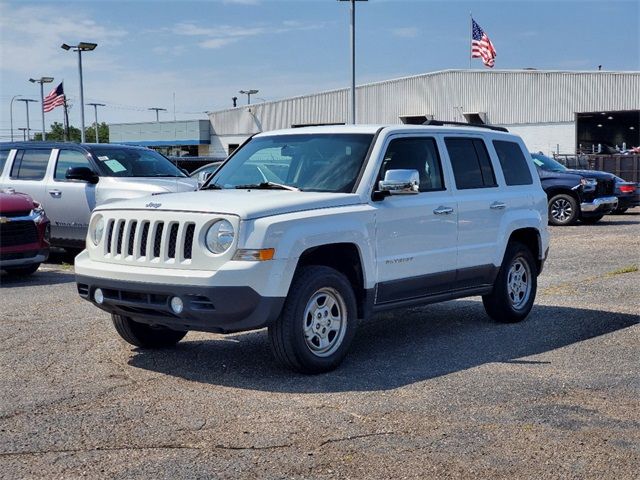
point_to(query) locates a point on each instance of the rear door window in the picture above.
(68, 159)
(514, 164)
(470, 162)
(30, 164)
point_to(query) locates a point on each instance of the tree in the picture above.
(56, 133)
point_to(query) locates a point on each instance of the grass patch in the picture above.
(620, 271)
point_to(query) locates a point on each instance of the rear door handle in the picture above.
(498, 206)
(443, 210)
(55, 193)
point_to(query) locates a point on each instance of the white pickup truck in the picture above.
(307, 230)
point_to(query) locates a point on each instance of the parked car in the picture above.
(202, 174)
(69, 180)
(585, 195)
(628, 194)
(24, 234)
(306, 230)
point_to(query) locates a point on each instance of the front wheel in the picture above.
(317, 323)
(563, 210)
(515, 286)
(145, 336)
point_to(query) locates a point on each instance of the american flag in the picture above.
(54, 99)
(481, 46)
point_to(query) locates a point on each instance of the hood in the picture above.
(15, 202)
(247, 204)
(151, 184)
(566, 176)
(592, 174)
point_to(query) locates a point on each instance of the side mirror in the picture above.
(81, 173)
(400, 182)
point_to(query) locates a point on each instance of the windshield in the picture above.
(134, 162)
(547, 163)
(307, 162)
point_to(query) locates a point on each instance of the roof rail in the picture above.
(440, 123)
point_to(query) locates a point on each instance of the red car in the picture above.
(24, 234)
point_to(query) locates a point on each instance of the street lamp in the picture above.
(248, 93)
(11, 113)
(26, 103)
(95, 110)
(81, 47)
(24, 133)
(42, 81)
(157, 109)
(353, 57)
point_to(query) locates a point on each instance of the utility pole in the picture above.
(95, 111)
(353, 57)
(157, 109)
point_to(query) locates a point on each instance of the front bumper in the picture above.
(599, 205)
(23, 259)
(215, 309)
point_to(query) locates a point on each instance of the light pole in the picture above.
(26, 104)
(11, 113)
(248, 93)
(95, 110)
(81, 47)
(157, 109)
(42, 81)
(353, 57)
(24, 133)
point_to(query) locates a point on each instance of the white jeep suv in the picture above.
(307, 230)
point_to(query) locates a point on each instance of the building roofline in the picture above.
(432, 74)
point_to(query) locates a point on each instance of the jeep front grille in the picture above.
(146, 240)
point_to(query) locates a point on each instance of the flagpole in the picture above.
(470, 38)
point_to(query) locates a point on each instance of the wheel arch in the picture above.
(531, 238)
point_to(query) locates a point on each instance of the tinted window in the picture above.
(470, 162)
(419, 154)
(514, 165)
(68, 159)
(4, 154)
(30, 164)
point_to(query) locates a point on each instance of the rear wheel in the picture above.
(563, 210)
(23, 271)
(145, 336)
(515, 286)
(591, 220)
(317, 323)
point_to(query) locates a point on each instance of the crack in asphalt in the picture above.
(354, 437)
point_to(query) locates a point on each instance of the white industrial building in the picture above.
(554, 111)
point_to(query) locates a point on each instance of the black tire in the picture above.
(145, 336)
(563, 210)
(591, 220)
(502, 304)
(301, 351)
(22, 271)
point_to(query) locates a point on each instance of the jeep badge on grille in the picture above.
(153, 205)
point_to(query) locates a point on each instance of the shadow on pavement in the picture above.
(390, 350)
(41, 277)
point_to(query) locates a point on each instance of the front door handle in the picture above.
(443, 210)
(55, 193)
(498, 206)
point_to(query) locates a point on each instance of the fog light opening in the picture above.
(176, 305)
(98, 296)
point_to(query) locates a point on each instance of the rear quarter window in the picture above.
(514, 164)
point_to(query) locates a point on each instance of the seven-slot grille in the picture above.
(20, 232)
(149, 239)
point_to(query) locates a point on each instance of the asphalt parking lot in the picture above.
(432, 392)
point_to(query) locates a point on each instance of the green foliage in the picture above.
(56, 133)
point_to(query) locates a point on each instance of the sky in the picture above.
(204, 52)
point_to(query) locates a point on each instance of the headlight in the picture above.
(97, 229)
(37, 210)
(589, 182)
(219, 237)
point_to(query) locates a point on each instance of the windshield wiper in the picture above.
(211, 186)
(269, 186)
